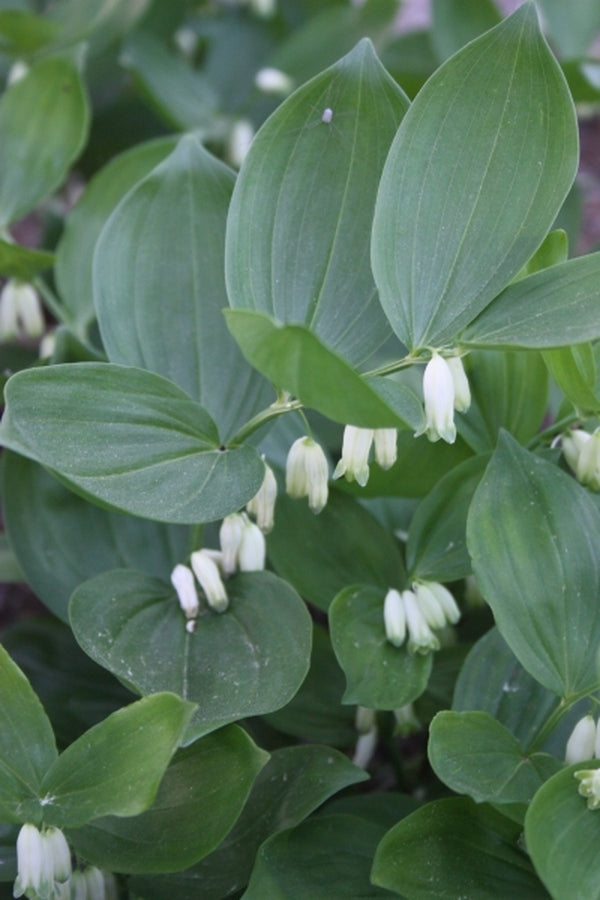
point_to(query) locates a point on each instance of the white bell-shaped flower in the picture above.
(20, 311)
(386, 446)
(307, 473)
(230, 538)
(182, 579)
(582, 741)
(356, 446)
(208, 575)
(437, 603)
(438, 396)
(262, 505)
(462, 391)
(252, 552)
(588, 465)
(421, 638)
(394, 618)
(30, 861)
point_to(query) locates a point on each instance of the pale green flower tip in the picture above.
(407, 722)
(356, 447)
(589, 786)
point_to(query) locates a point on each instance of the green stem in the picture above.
(552, 430)
(554, 718)
(271, 412)
(390, 368)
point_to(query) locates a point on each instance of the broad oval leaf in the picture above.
(207, 782)
(60, 539)
(574, 371)
(294, 359)
(130, 439)
(562, 835)
(453, 848)
(27, 746)
(294, 781)
(247, 661)
(298, 229)
(43, 126)
(325, 858)
(474, 754)
(115, 767)
(537, 563)
(475, 177)
(346, 544)
(84, 223)
(552, 308)
(159, 286)
(378, 675)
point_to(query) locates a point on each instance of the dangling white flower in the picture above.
(462, 391)
(394, 618)
(238, 143)
(252, 552)
(386, 450)
(590, 786)
(20, 311)
(365, 719)
(182, 579)
(582, 741)
(572, 444)
(356, 447)
(438, 396)
(437, 603)
(94, 883)
(307, 472)
(588, 465)
(30, 861)
(56, 850)
(273, 81)
(407, 722)
(366, 725)
(206, 571)
(262, 505)
(230, 538)
(420, 637)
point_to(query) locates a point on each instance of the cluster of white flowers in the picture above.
(242, 550)
(417, 614)
(356, 448)
(445, 389)
(582, 452)
(44, 870)
(20, 311)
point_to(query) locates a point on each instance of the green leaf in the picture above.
(315, 712)
(166, 240)
(130, 439)
(74, 691)
(474, 754)
(43, 126)
(493, 680)
(378, 675)
(455, 218)
(294, 781)
(508, 390)
(562, 835)
(178, 93)
(571, 30)
(61, 540)
(22, 33)
(537, 564)
(115, 768)
(206, 783)
(86, 220)
(553, 249)
(552, 308)
(324, 858)
(436, 549)
(23, 263)
(298, 230)
(345, 543)
(27, 747)
(249, 660)
(574, 371)
(295, 360)
(453, 848)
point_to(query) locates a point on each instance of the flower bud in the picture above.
(307, 472)
(230, 538)
(356, 447)
(273, 81)
(462, 392)
(94, 883)
(238, 144)
(207, 573)
(437, 603)
(262, 505)
(20, 311)
(394, 618)
(182, 579)
(58, 854)
(252, 551)
(438, 396)
(572, 444)
(420, 637)
(386, 451)
(588, 465)
(589, 786)
(30, 860)
(581, 743)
